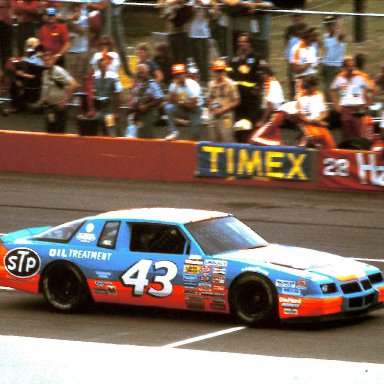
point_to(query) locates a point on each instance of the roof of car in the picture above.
(164, 215)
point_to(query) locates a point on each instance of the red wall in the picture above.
(96, 156)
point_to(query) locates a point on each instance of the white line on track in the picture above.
(203, 337)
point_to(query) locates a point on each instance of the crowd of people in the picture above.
(66, 49)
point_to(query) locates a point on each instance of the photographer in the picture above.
(57, 89)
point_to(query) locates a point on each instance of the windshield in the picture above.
(224, 235)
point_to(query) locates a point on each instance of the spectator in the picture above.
(334, 50)
(117, 32)
(144, 54)
(105, 47)
(199, 34)
(77, 56)
(54, 37)
(292, 36)
(245, 70)
(96, 9)
(268, 126)
(25, 76)
(272, 99)
(5, 32)
(304, 60)
(57, 89)
(244, 20)
(27, 15)
(145, 98)
(312, 114)
(177, 15)
(184, 102)
(163, 59)
(106, 96)
(352, 93)
(222, 98)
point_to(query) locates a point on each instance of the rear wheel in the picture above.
(253, 300)
(65, 288)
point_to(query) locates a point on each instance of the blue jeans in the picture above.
(193, 115)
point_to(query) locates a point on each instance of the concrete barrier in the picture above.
(160, 160)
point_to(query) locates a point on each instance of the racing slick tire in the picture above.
(253, 300)
(65, 288)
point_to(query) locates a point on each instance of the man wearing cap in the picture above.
(54, 37)
(334, 49)
(184, 102)
(222, 98)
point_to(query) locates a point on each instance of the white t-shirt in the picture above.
(113, 67)
(273, 93)
(351, 91)
(304, 54)
(190, 90)
(311, 106)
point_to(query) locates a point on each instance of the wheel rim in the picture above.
(252, 300)
(63, 286)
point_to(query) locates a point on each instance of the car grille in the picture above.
(375, 278)
(350, 287)
(358, 302)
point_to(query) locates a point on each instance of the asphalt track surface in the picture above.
(349, 224)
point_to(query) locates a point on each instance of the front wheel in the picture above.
(253, 300)
(65, 288)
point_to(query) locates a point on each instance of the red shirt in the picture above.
(54, 36)
(5, 11)
(26, 11)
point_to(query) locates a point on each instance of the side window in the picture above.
(62, 233)
(157, 238)
(109, 234)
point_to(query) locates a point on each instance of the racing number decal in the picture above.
(336, 167)
(137, 277)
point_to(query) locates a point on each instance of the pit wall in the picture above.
(185, 161)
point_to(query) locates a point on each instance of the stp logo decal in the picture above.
(22, 262)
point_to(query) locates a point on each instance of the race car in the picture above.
(185, 259)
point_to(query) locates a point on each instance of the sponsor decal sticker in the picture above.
(285, 283)
(219, 270)
(206, 269)
(219, 263)
(192, 269)
(205, 278)
(218, 280)
(80, 254)
(22, 262)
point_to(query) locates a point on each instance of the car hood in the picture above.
(300, 259)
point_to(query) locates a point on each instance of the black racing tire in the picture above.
(253, 300)
(65, 288)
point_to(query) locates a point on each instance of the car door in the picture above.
(154, 265)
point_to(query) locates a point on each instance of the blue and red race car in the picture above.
(185, 259)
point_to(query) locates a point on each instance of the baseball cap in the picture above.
(51, 11)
